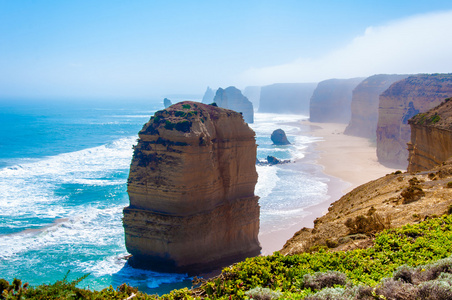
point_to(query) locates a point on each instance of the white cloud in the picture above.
(420, 44)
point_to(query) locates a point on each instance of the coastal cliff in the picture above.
(232, 98)
(391, 201)
(401, 101)
(191, 190)
(331, 100)
(364, 105)
(289, 98)
(431, 138)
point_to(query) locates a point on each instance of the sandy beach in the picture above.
(349, 161)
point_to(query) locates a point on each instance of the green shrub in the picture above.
(169, 125)
(183, 126)
(186, 106)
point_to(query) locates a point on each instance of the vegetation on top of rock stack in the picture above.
(404, 254)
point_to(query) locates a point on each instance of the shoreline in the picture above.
(347, 161)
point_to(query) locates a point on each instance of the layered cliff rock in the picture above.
(286, 98)
(232, 98)
(364, 105)
(431, 138)
(401, 101)
(331, 100)
(191, 190)
(391, 201)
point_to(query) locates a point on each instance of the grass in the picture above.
(297, 276)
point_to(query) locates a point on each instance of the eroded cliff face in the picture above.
(232, 98)
(286, 98)
(401, 101)
(431, 138)
(191, 190)
(364, 105)
(331, 100)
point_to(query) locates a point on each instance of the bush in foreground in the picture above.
(415, 246)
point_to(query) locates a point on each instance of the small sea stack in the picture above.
(191, 190)
(279, 137)
(167, 102)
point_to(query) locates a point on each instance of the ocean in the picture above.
(63, 173)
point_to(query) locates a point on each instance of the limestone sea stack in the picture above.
(401, 101)
(431, 138)
(167, 102)
(208, 96)
(232, 98)
(191, 190)
(279, 137)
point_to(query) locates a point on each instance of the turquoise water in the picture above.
(63, 174)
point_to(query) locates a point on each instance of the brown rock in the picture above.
(191, 189)
(364, 106)
(401, 101)
(431, 138)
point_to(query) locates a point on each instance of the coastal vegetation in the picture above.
(413, 259)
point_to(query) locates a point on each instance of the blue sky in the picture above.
(149, 49)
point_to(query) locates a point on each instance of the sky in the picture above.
(151, 49)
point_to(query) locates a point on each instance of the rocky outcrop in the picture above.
(286, 98)
(401, 101)
(232, 98)
(167, 102)
(391, 201)
(279, 137)
(271, 160)
(191, 190)
(364, 105)
(431, 138)
(208, 96)
(253, 93)
(331, 100)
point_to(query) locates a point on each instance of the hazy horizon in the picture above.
(143, 49)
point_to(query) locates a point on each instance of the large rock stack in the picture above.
(232, 98)
(401, 101)
(191, 189)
